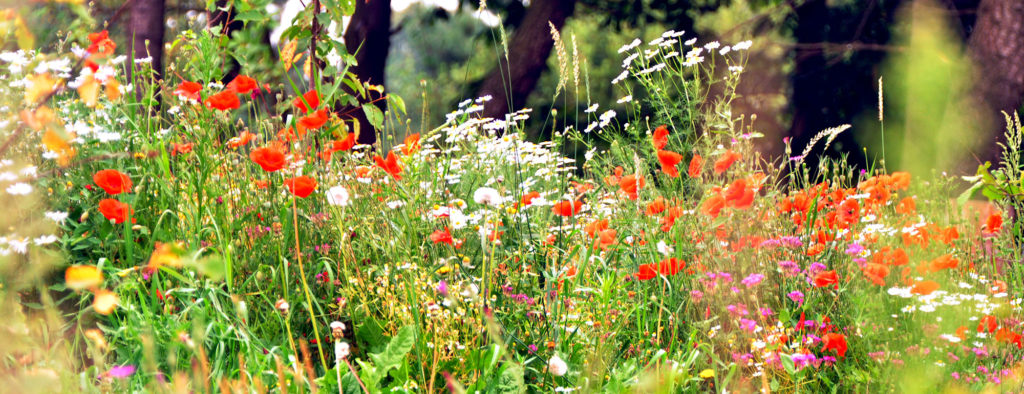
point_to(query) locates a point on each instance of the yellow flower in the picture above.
(165, 254)
(104, 301)
(707, 373)
(80, 277)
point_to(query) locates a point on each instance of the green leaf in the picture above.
(249, 16)
(397, 101)
(966, 195)
(374, 115)
(396, 350)
(511, 379)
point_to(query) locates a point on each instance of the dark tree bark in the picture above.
(368, 36)
(511, 82)
(996, 45)
(146, 26)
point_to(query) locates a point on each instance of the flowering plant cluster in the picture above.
(240, 234)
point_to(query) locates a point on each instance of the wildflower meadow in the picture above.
(177, 231)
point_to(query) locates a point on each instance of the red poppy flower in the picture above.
(115, 210)
(442, 236)
(181, 149)
(242, 84)
(595, 227)
(876, 273)
(834, 341)
(224, 101)
(344, 144)
(655, 207)
(242, 139)
(713, 205)
(631, 185)
(668, 161)
(100, 44)
(739, 195)
(660, 137)
(671, 266)
(567, 208)
(988, 323)
(188, 90)
(993, 224)
(723, 163)
(390, 165)
(411, 144)
(312, 98)
(314, 121)
(696, 163)
(826, 278)
(113, 181)
(646, 272)
(270, 158)
(528, 198)
(301, 186)
(605, 238)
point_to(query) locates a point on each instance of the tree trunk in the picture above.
(146, 26)
(368, 36)
(996, 44)
(515, 77)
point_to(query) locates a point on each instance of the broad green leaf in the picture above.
(374, 115)
(396, 350)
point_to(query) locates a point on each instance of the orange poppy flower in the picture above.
(242, 139)
(181, 149)
(115, 210)
(723, 163)
(113, 181)
(567, 208)
(311, 97)
(631, 185)
(188, 90)
(696, 163)
(946, 261)
(242, 84)
(660, 137)
(390, 165)
(411, 144)
(314, 121)
(876, 273)
(668, 161)
(224, 101)
(301, 186)
(270, 158)
(924, 287)
(596, 226)
(826, 278)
